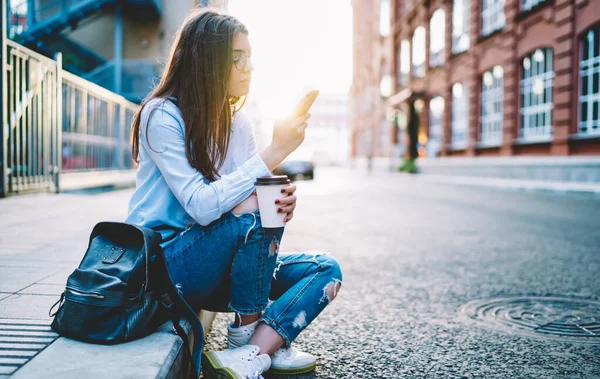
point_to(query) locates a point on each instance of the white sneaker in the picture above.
(239, 363)
(284, 361)
(289, 361)
(239, 336)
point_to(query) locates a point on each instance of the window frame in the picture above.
(530, 106)
(527, 5)
(586, 82)
(419, 70)
(437, 58)
(491, 19)
(466, 27)
(460, 125)
(404, 77)
(436, 126)
(491, 111)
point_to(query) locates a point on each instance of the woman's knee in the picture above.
(333, 270)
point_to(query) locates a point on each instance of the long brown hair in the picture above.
(197, 75)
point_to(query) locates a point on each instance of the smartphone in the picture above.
(306, 102)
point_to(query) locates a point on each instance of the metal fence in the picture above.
(57, 124)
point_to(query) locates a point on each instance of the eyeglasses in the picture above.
(240, 61)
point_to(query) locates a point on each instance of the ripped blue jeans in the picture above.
(234, 265)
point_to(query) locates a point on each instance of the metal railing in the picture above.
(30, 139)
(57, 123)
(94, 136)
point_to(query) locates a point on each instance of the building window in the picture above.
(528, 4)
(386, 85)
(589, 83)
(384, 17)
(492, 16)
(492, 100)
(460, 26)
(537, 81)
(436, 130)
(460, 115)
(403, 62)
(418, 52)
(437, 27)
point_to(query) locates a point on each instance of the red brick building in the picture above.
(488, 77)
(365, 101)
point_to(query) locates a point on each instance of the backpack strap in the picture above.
(166, 227)
(178, 308)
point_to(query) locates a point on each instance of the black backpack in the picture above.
(122, 290)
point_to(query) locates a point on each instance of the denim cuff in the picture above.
(251, 311)
(278, 329)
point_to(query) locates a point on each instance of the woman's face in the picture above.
(241, 69)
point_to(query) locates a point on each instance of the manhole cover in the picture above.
(573, 320)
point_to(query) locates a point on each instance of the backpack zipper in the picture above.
(93, 295)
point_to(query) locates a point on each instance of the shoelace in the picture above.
(255, 375)
(256, 367)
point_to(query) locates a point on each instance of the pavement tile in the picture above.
(60, 277)
(27, 306)
(12, 287)
(43, 289)
(25, 273)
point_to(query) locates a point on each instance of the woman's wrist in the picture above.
(273, 156)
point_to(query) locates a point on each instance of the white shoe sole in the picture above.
(293, 371)
(213, 369)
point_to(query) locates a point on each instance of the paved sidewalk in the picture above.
(42, 240)
(515, 184)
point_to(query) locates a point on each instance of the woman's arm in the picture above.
(271, 156)
(204, 202)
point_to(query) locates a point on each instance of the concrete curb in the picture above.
(176, 363)
(159, 355)
(572, 187)
(516, 185)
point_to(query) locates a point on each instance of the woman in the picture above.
(197, 167)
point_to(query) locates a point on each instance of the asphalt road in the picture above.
(413, 253)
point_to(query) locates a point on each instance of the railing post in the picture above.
(57, 124)
(3, 110)
(120, 126)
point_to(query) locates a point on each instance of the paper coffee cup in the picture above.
(268, 189)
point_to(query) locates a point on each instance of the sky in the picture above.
(296, 45)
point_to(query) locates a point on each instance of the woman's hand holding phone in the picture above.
(289, 132)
